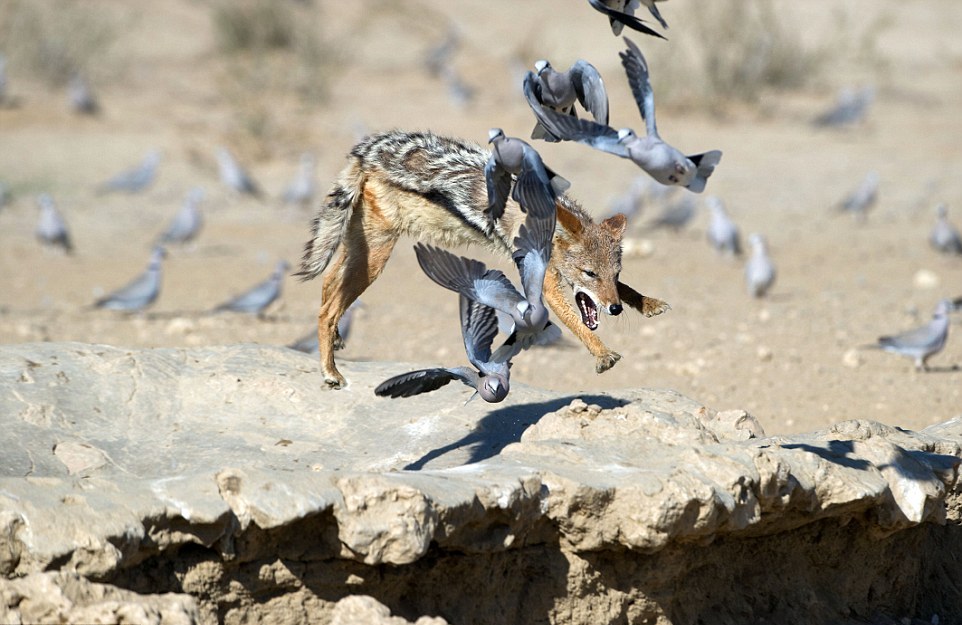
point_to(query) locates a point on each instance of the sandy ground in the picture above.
(788, 358)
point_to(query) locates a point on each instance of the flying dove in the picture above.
(489, 377)
(536, 187)
(660, 160)
(621, 13)
(559, 91)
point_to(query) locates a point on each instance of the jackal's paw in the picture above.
(651, 307)
(606, 362)
(334, 380)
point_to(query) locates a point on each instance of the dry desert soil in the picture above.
(168, 78)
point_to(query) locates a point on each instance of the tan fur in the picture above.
(433, 189)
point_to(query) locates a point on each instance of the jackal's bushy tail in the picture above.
(331, 221)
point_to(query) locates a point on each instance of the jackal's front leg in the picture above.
(555, 297)
(648, 306)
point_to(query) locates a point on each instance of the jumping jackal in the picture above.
(433, 189)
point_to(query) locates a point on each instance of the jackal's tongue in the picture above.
(589, 311)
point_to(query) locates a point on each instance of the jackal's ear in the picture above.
(616, 225)
(569, 221)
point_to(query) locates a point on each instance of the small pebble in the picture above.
(925, 279)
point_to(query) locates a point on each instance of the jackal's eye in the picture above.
(589, 273)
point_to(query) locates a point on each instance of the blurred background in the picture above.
(122, 113)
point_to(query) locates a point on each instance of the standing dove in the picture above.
(489, 377)
(621, 13)
(945, 236)
(233, 175)
(660, 160)
(559, 91)
(859, 201)
(536, 186)
(136, 179)
(759, 271)
(188, 221)
(51, 228)
(256, 299)
(921, 343)
(722, 231)
(302, 189)
(141, 291)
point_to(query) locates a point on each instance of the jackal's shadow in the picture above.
(503, 426)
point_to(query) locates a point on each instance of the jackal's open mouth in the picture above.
(588, 309)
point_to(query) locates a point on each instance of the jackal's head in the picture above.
(588, 257)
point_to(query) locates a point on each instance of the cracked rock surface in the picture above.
(225, 485)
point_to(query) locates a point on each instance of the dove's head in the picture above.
(541, 66)
(493, 388)
(626, 134)
(495, 134)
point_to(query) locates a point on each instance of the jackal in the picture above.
(433, 188)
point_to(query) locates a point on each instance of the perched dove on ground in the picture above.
(945, 236)
(3, 78)
(256, 299)
(439, 56)
(661, 161)
(141, 291)
(233, 175)
(849, 109)
(136, 179)
(51, 228)
(722, 232)
(675, 216)
(862, 198)
(559, 91)
(621, 13)
(536, 186)
(759, 270)
(302, 188)
(921, 343)
(188, 221)
(490, 378)
(492, 288)
(309, 343)
(81, 97)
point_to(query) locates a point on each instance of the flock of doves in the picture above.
(516, 169)
(488, 299)
(143, 290)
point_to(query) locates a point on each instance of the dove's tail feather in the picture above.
(413, 383)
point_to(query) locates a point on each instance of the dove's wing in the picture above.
(638, 79)
(479, 326)
(569, 128)
(535, 188)
(498, 180)
(532, 253)
(921, 338)
(468, 277)
(424, 380)
(630, 21)
(590, 90)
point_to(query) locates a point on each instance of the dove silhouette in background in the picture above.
(759, 270)
(51, 228)
(921, 343)
(139, 293)
(187, 222)
(256, 299)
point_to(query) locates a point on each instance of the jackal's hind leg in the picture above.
(366, 247)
